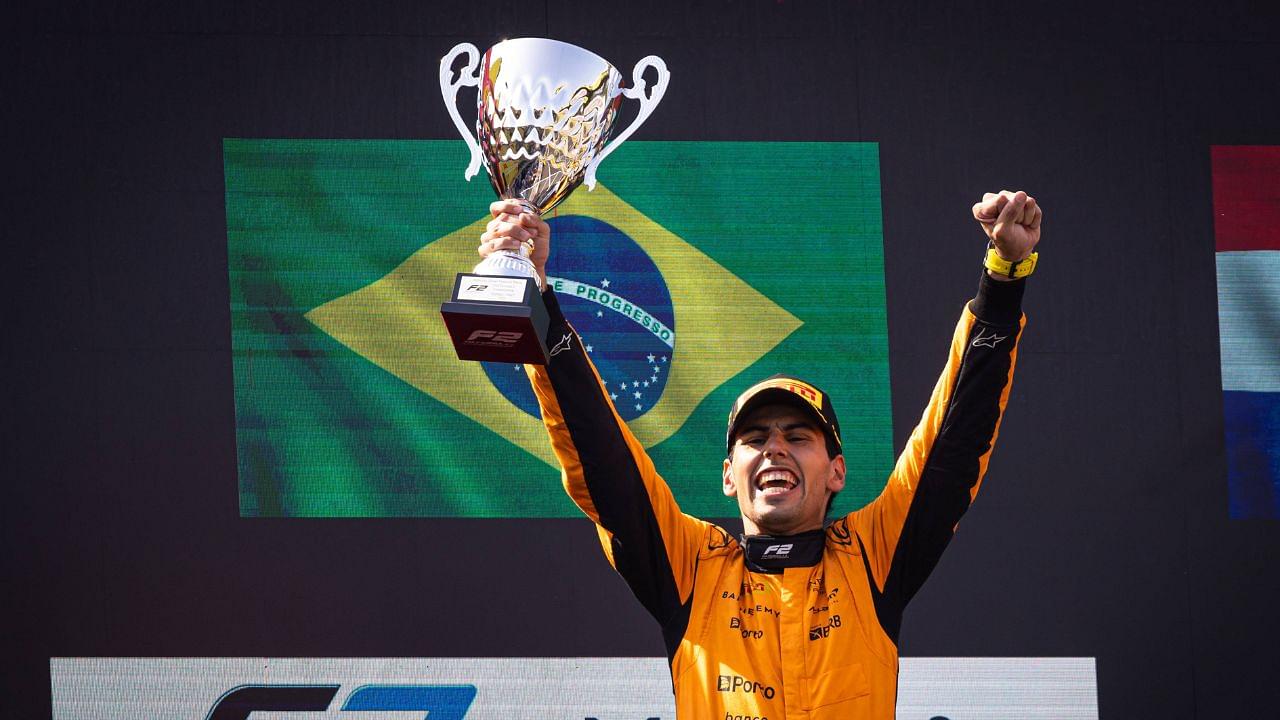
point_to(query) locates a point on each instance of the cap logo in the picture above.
(810, 393)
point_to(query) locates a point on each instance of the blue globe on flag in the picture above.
(614, 296)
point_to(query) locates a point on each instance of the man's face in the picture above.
(780, 472)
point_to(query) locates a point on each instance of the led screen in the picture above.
(692, 270)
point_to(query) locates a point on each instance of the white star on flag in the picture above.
(651, 357)
(604, 282)
(637, 394)
(599, 313)
(637, 406)
(613, 396)
(589, 349)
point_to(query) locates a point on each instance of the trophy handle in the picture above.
(647, 104)
(470, 75)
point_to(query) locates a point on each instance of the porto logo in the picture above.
(613, 295)
(737, 683)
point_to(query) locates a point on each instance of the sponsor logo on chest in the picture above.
(737, 683)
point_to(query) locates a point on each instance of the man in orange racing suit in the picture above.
(794, 620)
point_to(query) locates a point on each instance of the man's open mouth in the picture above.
(775, 481)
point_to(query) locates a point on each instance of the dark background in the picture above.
(1102, 529)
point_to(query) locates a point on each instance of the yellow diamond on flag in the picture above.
(723, 326)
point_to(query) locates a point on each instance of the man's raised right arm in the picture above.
(606, 471)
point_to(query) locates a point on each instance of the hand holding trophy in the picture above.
(545, 110)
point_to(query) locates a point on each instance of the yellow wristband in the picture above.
(1012, 270)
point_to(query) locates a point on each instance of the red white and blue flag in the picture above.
(1246, 209)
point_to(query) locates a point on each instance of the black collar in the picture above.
(772, 553)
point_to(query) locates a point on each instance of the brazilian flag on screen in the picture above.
(755, 258)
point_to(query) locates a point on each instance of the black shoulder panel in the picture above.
(952, 468)
(612, 477)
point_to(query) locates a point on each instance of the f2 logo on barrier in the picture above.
(440, 702)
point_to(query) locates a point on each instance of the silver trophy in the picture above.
(545, 111)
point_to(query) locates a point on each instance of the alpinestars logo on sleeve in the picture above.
(984, 340)
(564, 344)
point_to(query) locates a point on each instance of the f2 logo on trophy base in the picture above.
(501, 320)
(484, 337)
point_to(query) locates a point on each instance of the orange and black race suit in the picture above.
(803, 627)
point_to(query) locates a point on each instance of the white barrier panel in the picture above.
(506, 688)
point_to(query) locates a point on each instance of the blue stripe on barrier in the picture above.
(440, 702)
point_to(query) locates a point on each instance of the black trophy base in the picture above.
(497, 318)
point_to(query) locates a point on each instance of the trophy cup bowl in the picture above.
(544, 115)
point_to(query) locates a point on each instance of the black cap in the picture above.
(790, 391)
